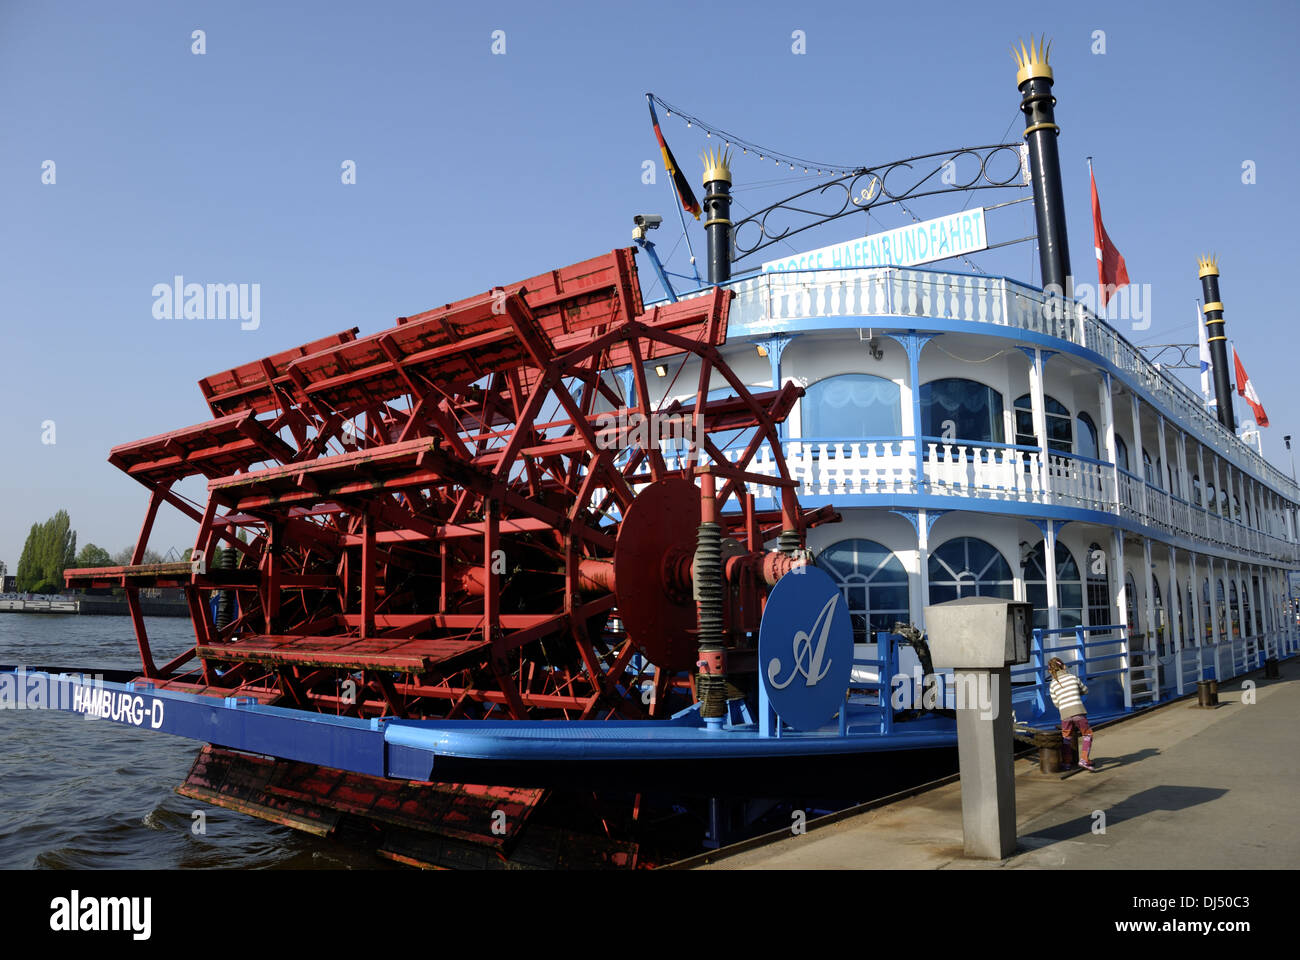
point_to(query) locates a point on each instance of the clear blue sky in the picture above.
(475, 169)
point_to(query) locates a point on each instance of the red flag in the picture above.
(1247, 389)
(1111, 271)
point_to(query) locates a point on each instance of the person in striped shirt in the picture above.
(1067, 693)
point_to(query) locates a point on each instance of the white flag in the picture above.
(1206, 363)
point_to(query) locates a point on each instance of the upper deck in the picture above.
(930, 300)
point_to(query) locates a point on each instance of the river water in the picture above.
(83, 793)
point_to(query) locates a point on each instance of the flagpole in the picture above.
(689, 249)
(677, 202)
(1101, 309)
(1232, 345)
(1200, 338)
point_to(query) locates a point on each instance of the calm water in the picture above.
(91, 794)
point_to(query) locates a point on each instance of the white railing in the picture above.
(843, 468)
(773, 302)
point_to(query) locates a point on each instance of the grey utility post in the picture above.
(980, 637)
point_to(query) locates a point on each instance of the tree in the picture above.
(93, 556)
(123, 557)
(50, 548)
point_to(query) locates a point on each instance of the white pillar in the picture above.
(1136, 461)
(1174, 606)
(1200, 472)
(1198, 624)
(1106, 402)
(1049, 568)
(1216, 635)
(1260, 609)
(1183, 478)
(1163, 467)
(1120, 593)
(1152, 629)
(1038, 405)
(922, 600)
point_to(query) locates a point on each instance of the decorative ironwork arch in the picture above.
(869, 187)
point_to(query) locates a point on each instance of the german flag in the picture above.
(684, 192)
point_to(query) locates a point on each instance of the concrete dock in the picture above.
(1178, 787)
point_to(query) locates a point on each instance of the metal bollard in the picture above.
(1207, 693)
(1049, 752)
(1270, 668)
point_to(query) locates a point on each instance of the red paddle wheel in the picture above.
(462, 516)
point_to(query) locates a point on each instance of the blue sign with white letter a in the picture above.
(805, 648)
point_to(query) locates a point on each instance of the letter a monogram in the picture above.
(802, 648)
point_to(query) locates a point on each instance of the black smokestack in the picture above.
(1213, 311)
(717, 208)
(1034, 78)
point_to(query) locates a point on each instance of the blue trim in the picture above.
(914, 518)
(408, 749)
(1043, 526)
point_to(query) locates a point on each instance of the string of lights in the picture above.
(749, 147)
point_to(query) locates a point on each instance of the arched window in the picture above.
(1223, 613)
(1247, 624)
(969, 567)
(1100, 611)
(1060, 433)
(873, 582)
(852, 405)
(1121, 452)
(1234, 610)
(1196, 489)
(1069, 588)
(1211, 501)
(1086, 438)
(1150, 471)
(961, 410)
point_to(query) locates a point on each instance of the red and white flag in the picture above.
(1247, 389)
(1111, 270)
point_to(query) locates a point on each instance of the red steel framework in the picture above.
(439, 516)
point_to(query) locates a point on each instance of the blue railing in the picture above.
(1101, 656)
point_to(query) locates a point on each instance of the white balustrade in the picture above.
(774, 301)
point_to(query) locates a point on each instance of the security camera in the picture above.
(644, 222)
